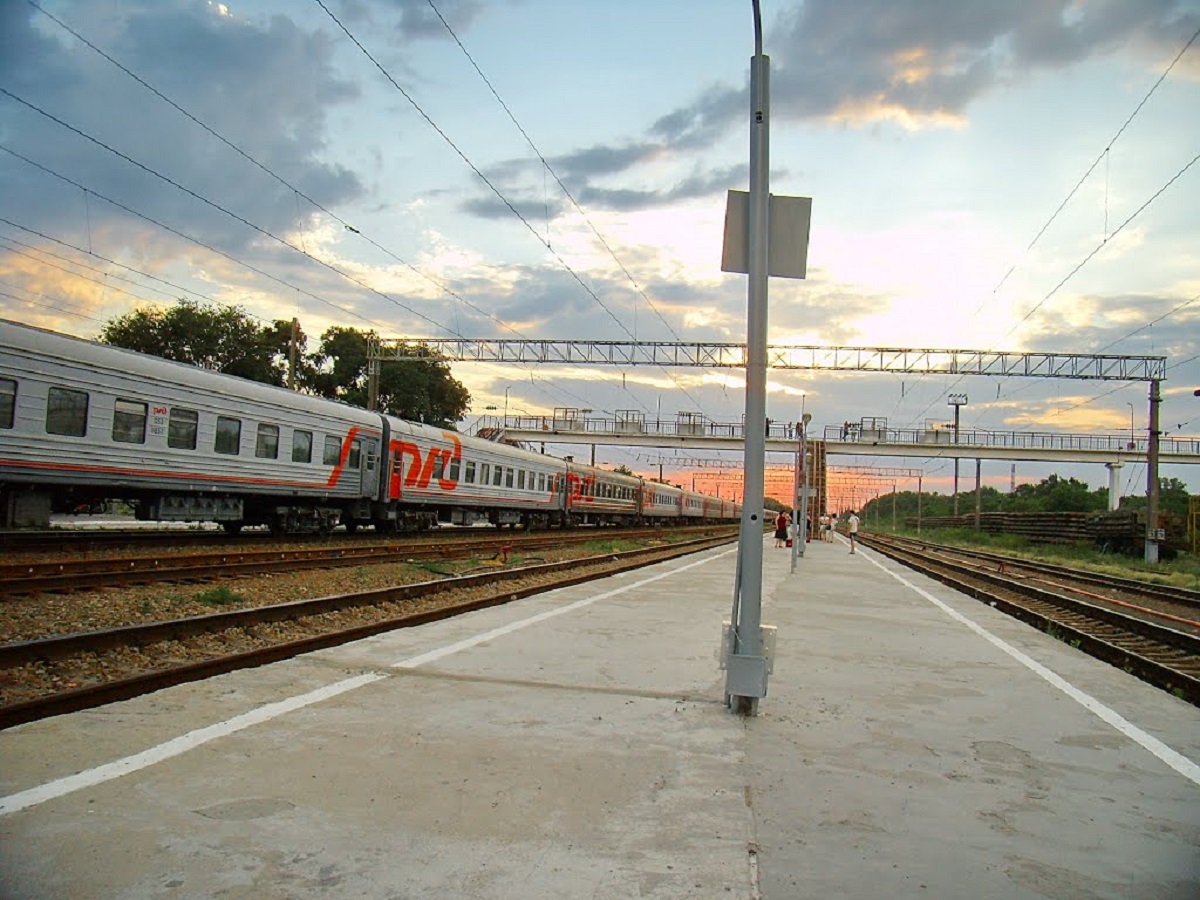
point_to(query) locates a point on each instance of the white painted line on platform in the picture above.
(1172, 758)
(193, 739)
(176, 746)
(413, 661)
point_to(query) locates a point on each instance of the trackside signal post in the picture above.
(750, 225)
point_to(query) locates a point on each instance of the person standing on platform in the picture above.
(832, 525)
(852, 530)
(782, 521)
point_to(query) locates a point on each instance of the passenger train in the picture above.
(83, 422)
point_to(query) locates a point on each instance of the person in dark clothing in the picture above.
(782, 521)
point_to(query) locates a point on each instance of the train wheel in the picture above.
(231, 527)
(351, 526)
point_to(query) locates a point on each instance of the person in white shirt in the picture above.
(852, 530)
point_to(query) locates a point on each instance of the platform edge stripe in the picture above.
(176, 746)
(1176, 760)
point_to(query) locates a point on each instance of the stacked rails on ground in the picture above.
(1120, 530)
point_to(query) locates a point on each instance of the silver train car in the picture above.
(83, 423)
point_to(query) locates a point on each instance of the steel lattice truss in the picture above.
(733, 356)
(875, 472)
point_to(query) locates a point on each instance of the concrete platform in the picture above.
(914, 743)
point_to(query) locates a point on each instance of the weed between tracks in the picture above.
(219, 596)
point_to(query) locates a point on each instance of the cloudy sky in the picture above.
(1017, 175)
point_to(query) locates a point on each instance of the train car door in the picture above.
(369, 471)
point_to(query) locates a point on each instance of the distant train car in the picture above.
(601, 497)
(437, 475)
(82, 423)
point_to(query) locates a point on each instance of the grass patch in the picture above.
(219, 596)
(615, 545)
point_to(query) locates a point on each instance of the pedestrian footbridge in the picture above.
(866, 438)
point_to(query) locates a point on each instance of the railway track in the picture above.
(82, 540)
(1150, 631)
(63, 576)
(103, 666)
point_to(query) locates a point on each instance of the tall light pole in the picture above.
(957, 401)
(1132, 439)
(746, 667)
(800, 490)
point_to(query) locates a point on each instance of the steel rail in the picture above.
(87, 574)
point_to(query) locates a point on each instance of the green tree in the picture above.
(221, 338)
(1172, 498)
(421, 390)
(1054, 494)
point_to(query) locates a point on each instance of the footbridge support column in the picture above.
(1114, 485)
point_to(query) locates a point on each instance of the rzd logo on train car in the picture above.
(580, 488)
(438, 462)
(158, 420)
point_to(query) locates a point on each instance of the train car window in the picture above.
(182, 427)
(508, 477)
(521, 480)
(333, 451)
(454, 469)
(8, 402)
(355, 458)
(498, 476)
(229, 436)
(266, 446)
(66, 412)
(302, 446)
(541, 481)
(129, 422)
(469, 478)
(485, 473)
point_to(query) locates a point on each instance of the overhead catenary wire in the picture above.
(69, 312)
(113, 262)
(1103, 154)
(549, 168)
(82, 277)
(297, 192)
(266, 169)
(211, 203)
(30, 251)
(445, 137)
(191, 239)
(1088, 258)
(546, 164)
(479, 174)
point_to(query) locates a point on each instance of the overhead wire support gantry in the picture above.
(1091, 366)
